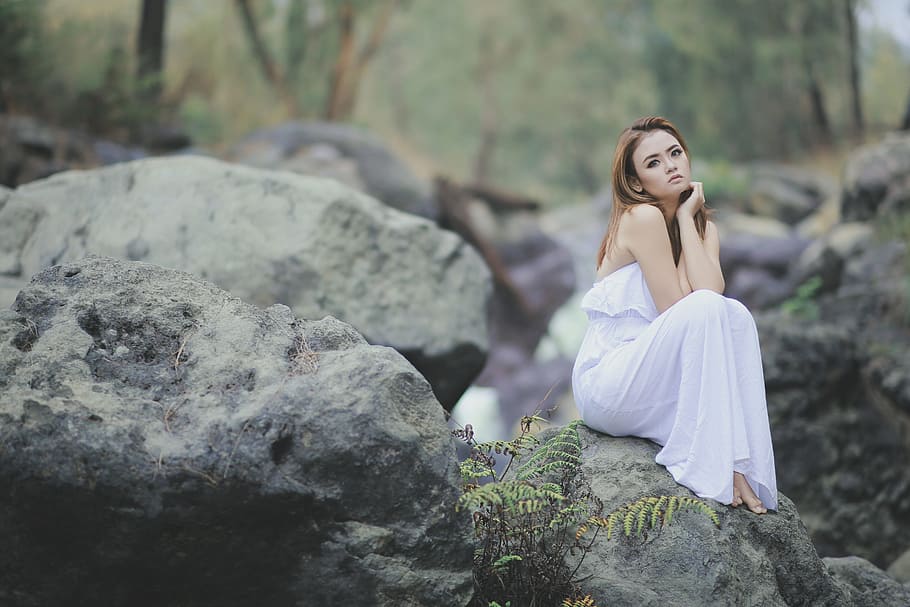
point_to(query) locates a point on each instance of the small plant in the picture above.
(802, 305)
(527, 522)
(585, 601)
(647, 512)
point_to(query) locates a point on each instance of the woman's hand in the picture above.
(691, 200)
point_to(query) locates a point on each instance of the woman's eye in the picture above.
(652, 164)
(676, 152)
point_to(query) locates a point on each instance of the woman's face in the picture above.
(662, 166)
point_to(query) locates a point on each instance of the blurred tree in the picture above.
(22, 65)
(351, 61)
(853, 54)
(150, 50)
(267, 64)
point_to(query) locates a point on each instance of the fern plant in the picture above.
(527, 522)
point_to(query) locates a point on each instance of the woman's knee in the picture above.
(703, 301)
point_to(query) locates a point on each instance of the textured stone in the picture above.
(750, 559)
(270, 237)
(877, 179)
(838, 442)
(868, 585)
(162, 442)
(340, 151)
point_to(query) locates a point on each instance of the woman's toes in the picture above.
(737, 498)
(758, 508)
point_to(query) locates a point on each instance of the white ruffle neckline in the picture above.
(622, 292)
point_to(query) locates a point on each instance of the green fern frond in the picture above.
(471, 469)
(585, 601)
(513, 496)
(564, 447)
(647, 512)
(497, 446)
(503, 561)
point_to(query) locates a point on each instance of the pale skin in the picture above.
(662, 170)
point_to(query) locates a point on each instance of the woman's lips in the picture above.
(675, 178)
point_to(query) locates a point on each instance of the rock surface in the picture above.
(877, 179)
(269, 236)
(30, 150)
(162, 442)
(749, 560)
(787, 193)
(340, 151)
(838, 438)
(868, 585)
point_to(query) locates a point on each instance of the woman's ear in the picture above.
(636, 185)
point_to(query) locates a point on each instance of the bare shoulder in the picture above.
(647, 213)
(643, 218)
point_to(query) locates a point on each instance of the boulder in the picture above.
(786, 193)
(750, 559)
(163, 442)
(31, 150)
(826, 256)
(838, 443)
(877, 179)
(868, 585)
(270, 236)
(900, 568)
(340, 151)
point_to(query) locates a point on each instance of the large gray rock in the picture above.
(826, 256)
(162, 442)
(877, 179)
(787, 193)
(269, 236)
(30, 150)
(749, 560)
(838, 439)
(868, 585)
(900, 568)
(342, 152)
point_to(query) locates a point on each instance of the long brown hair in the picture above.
(625, 197)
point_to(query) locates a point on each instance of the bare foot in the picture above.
(746, 495)
(737, 496)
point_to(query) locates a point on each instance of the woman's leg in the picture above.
(692, 382)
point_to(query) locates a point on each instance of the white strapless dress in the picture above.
(689, 379)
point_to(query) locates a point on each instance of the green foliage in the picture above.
(524, 523)
(802, 305)
(527, 524)
(647, 512)
(585, 601)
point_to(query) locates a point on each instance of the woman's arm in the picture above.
(643, 232)
(702, 257)
(684, 284)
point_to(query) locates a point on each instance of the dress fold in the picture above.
(689, 379)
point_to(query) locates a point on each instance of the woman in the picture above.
(666, 356)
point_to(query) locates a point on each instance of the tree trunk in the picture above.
(352, 83)
(905, 124)
(351, 64)
(853, 51)
(150, 49)
(266, 64)
(295, 39)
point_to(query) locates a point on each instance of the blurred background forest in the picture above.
(527, 94)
